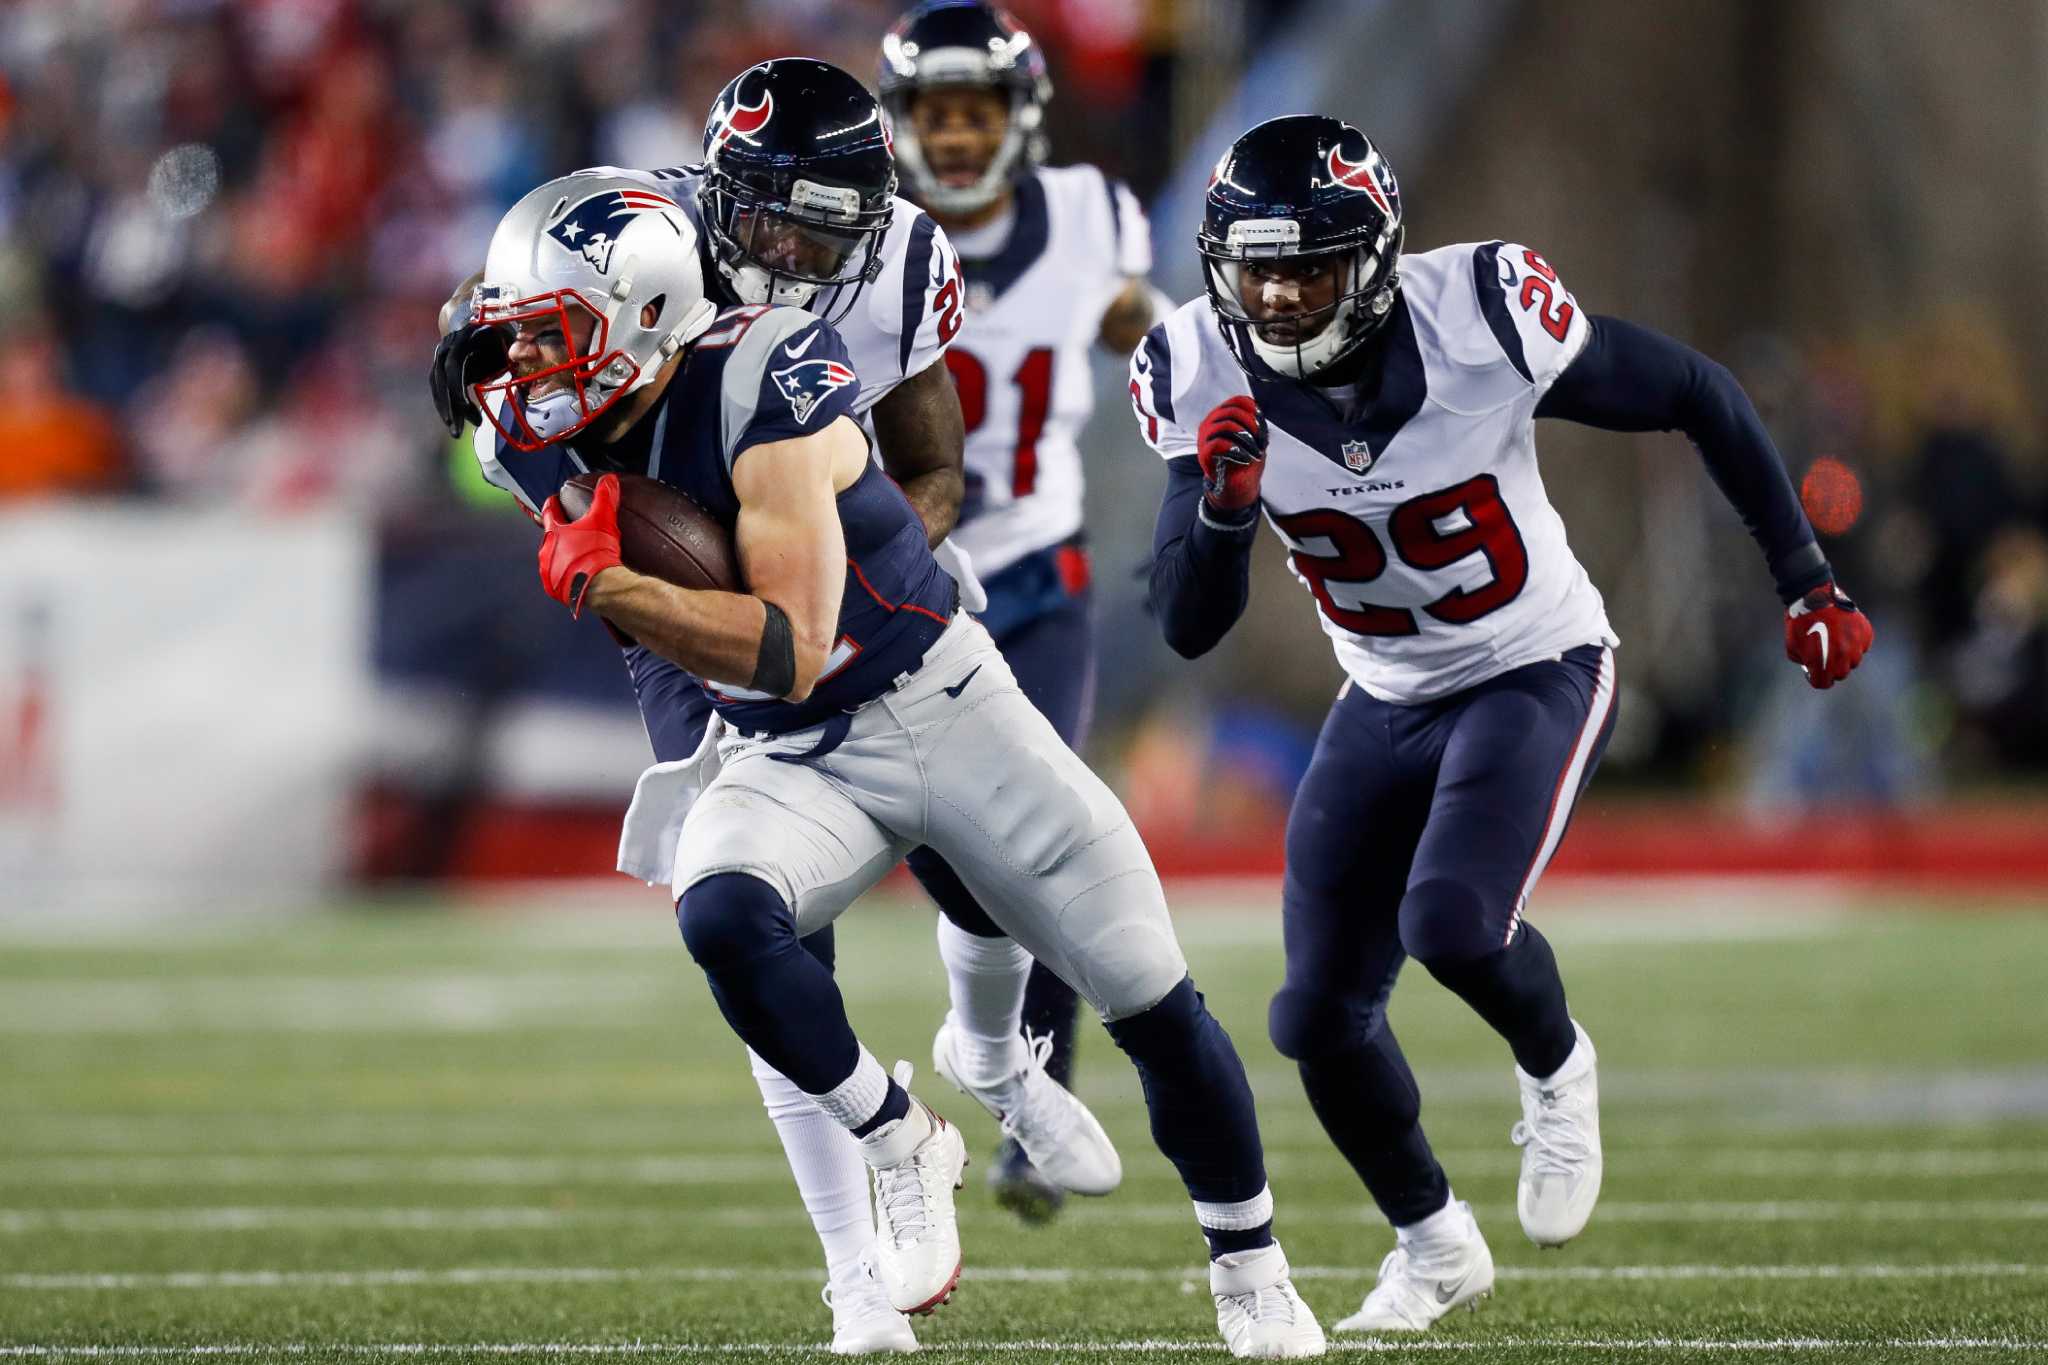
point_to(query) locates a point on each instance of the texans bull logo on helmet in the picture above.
(808, 381)
(591, 229)
(742, 120)
(1371, 176)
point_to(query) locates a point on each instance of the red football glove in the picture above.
(1826, 635)
(1232, 449)
(572, 553)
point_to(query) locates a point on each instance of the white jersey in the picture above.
(904, 318)
(1034, 307)
(1418, 519)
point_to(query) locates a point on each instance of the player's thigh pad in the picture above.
(792, 827)
(1040, 840)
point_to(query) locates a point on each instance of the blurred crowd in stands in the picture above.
(225, 229)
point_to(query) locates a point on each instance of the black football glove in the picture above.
(470, 354)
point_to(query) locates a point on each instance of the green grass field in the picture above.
(399, 1133)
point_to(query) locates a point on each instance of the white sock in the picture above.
(859, 1097)
(985, 980)
(825, 1159)
(1445, 1224)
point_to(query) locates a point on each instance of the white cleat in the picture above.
(917, 1162)
(1056, 1131)
(863, 1323)
(1257, 1310)
(1560, 1140)
(1424, 1278)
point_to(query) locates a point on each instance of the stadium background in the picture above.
(224, 228)
(408, 1071)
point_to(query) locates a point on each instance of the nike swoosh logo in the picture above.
(796, 352)
(1446, 1292)
(1818, 629)
(957, 688)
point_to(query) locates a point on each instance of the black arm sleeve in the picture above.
(1629, 378)
(1201, 568)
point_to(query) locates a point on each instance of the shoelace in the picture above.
(900, 1202)
(1057, 1118)
(1557, 1145)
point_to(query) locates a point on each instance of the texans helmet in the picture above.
(964, 42)
(799, 185)
(1295, 187)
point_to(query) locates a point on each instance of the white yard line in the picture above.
(492, 1275)
(362, 1170)
(248, 1218)
(656, 1169)
(1035, 1346)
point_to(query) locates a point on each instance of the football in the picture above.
(663, 534)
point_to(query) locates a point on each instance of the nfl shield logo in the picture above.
(1358, 456)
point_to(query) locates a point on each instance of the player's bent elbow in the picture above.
(810, 667)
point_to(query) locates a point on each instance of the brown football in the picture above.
(663, 534)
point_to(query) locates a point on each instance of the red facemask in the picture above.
(578, 389)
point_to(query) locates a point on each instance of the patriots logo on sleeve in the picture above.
(807, 382)
(591, 229)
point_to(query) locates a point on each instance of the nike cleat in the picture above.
(1560, 1140)
(916, 1162)
(1257, 1309)
(863, 1323)
(1054, 1129)
(1020, 1187)
(1422, 1279)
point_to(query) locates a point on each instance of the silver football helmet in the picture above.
(602, 273)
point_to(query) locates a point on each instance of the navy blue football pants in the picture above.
(1419, 831)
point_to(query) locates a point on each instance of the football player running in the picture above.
(1378, 409)
(875, 716)
(1054, 261)
(794, 206)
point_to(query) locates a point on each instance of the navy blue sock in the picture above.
(1222, 1243)
(1519, 992)
(894, 1106)
(778, 997)
(1199, 1100)
(1052, 1010)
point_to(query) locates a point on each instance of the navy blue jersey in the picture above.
(762, 375)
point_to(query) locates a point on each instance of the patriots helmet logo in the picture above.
(591, 229)
(1370, 176)
(1358, 456)
(807, 382)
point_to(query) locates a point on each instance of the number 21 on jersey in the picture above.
(1033, 382)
